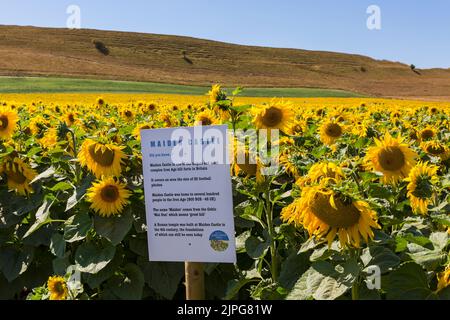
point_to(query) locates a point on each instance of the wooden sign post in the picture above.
(195, 281)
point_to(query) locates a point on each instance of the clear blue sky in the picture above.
(413, 31)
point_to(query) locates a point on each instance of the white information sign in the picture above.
(188, 194)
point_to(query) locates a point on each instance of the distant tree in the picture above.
(413, 67)
(363, 69)
(101, 47)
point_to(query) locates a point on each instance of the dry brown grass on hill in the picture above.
(182, 60)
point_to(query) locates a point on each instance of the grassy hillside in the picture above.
(59, 85)
(30, 51)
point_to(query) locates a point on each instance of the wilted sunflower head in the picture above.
(391, 157)
(108, 197)
(18, 174)
(8, 122)
(325, 214)
(57, 288)
(330, 132)
(102, 159)
(276, 115)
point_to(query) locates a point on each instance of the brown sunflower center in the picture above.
(206, 121)
(109, 193)
(58, 288)
(333, 130)
(391, 158)
(145, 127)
(128, 114)
(435, 149)
(345, 216)
(272, 117)
(3, 122)
(71, 118)
(427, 134)
(16, 176)
(104, 158)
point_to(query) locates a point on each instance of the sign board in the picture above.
(188, 194)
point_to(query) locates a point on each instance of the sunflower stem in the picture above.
(271, 230)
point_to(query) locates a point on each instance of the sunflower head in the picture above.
(57, 288)
(443, 279)
(206, 118)
(276, 115)
(421, 181)
(330, 132)
(18, 174)
(137, 130)
(108, 197)
(101, 159)
(325, 214)
(8, 122)
(427, 133)
(436, 149)
(322, 172)
(391, 157)
(216, 94)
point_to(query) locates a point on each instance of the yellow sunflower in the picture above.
(70, 118)
(206, 118)
(216, 94)
(57, 288)
(245, 162)
(443, 279)
(330, 132)
(101, 159)
(393, 158)
(137, 130)
(420, 187)
(325, 214)
(322, 171)
(427, 133)
(436, 149)
(8, 122)
(276, 115)
(290, 161)
(19, 175)
(50, 139)
(108, 197)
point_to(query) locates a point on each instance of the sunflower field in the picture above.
(358, 209)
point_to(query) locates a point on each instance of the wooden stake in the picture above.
(195, 281)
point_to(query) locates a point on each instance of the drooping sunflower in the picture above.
(330, 132)
(8, 122)
(57, 288)
(436, 149)
(393, 158)
(245, 162)
(420, 187)
(276, 115)
(325, 214)
(19, 175)
(101, 159)
(206, 118)
(108, 197)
